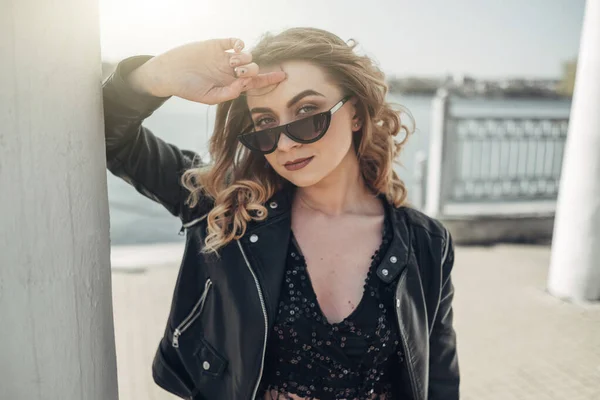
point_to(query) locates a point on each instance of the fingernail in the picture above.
(240, 71)
(238, 45)
(233, 61)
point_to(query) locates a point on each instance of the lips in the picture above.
(298, 163)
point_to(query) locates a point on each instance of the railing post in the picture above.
(56, 330)
(435, 193)
(575, 264)
(420, 180)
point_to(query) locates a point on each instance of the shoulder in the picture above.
(424, 224)
(429, 239)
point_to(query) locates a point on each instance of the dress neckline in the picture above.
(375, 260)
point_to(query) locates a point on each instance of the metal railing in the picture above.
(482, 161)
(506, 159)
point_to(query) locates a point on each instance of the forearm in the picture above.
(125, 108)
(133, 152)
(144, 80)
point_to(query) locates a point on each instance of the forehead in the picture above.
(301, 75)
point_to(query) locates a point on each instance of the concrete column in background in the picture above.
(575, 263)
(435, 193)
(56, 325)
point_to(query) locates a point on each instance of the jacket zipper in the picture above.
(411, 373)
(264, 310)
(193, 316)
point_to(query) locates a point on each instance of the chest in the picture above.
(338, 259)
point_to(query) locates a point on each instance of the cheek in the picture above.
(272, 159)
(336, 142)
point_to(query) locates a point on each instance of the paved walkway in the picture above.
(515, 341)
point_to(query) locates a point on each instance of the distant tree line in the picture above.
(567, 83)
(468, 86)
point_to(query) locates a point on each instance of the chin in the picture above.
(302, 180)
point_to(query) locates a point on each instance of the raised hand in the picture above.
(207, 72)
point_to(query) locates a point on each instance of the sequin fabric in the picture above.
(358, 358)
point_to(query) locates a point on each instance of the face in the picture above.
(306, 91)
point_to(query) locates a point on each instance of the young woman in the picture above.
(305, 274)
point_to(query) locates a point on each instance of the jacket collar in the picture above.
(267, 242)
(397, 255)
(396, 258)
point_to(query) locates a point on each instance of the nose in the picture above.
(286, 144)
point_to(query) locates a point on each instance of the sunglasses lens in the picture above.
(263, 141)
(310, 128)
(305, 130)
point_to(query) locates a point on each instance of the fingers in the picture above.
(229, 92)
(232, 91)
(231, 43)
(247, 70)
(239, 59)
(255, 82)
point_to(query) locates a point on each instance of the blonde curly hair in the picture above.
(238, 180)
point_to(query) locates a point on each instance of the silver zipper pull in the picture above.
(176, 335)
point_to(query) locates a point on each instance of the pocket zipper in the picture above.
(193, 316)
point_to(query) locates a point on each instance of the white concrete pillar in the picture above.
(575, 264)
(434, 195)
(56, 326)
(419, 193)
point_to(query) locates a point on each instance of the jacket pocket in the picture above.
(192, 316)
(209, 361)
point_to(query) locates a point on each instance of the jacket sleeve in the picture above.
(444, 377)
(133, 153)
(169, 374)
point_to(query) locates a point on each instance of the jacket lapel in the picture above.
(267, 245)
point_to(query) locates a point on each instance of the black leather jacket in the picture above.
(223, 307)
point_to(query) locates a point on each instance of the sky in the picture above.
(483, 38)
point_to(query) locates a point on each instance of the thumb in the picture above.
(263, 80)
(231, 91)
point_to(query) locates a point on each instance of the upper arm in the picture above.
(154, 168)
(133, 152)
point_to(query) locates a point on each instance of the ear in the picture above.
(356, 119)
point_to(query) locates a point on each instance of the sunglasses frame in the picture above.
(278, 130)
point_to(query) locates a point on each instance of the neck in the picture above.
(341, 192)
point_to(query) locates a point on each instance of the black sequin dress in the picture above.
(356, 359)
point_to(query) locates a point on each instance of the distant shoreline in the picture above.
(465, 88)
(506, 95)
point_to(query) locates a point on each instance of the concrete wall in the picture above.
(493, 229)
(56, 324)
(515, 222)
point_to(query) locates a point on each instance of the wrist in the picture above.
(144, 80)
